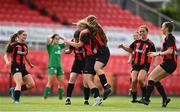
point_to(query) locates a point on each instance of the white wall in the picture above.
(115, 35)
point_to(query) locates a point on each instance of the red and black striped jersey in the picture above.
(88, 42)
(79, 53)
(99, 42)
(170, 42)
(141, 49)
(17, 51)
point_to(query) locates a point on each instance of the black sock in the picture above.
(95, 92)
(69, 89)
(134, 95)
(143, 89)
(23, 88)
(86, 93)
(150, 89)
(161, 91)
(17, 94)
(103, 80)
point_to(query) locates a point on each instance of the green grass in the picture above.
(115, 103)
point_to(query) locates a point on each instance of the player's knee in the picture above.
(134, 81)
(32, 85)
(141, 81)
(72, 80)
(97, 69)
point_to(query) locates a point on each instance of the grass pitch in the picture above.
(114, 103)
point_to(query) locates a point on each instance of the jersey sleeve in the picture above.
(132, 46)
(27, 49)
(153, 49)
(9, 48)
(48, 46)
(170, 42)
(62, 45)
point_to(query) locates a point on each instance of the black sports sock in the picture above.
(143, 89)
(161, 90)
(86, 93)
(17, 94)
(95, 92)
(150, 89)
(24, 87)
(134, 95)
(69, 89)
(103, 80)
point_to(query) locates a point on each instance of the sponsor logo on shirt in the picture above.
(17, 69)
(21, 53)
(140, 51)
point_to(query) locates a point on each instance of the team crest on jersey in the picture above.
(58, 50)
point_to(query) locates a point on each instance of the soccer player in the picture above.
(141, 62)
(77, 68)
(103, 53)
(136, 36)
(167, 67)
(86, 41)
(55, 70)
(17, 50)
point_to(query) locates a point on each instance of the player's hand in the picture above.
(8, 63)
(153, 54)
(120, 46)
(66, 41)
(154, 65)
(32, 66)
(62, 38)
(129, 61)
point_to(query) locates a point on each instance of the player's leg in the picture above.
(86, 93)
(88, 78)
(70, 87)
(134, 75)
(17, 91)
(155, 75)
(160, 88)
(29, 82)
(142, 82)
(60, 77)
(100, 63)
(49, 84)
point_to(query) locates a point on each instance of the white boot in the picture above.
(97, 101)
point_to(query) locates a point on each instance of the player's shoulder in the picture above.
(136, 41)
(13, 43)
(150, 42)
(84, 31)
(171, 37)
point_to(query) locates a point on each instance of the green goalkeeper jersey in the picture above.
(54, 52)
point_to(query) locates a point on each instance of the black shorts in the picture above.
(169, 66)
(77, 66)
(19, 68)
(89, 65)
(136, 67)
(103, 55)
